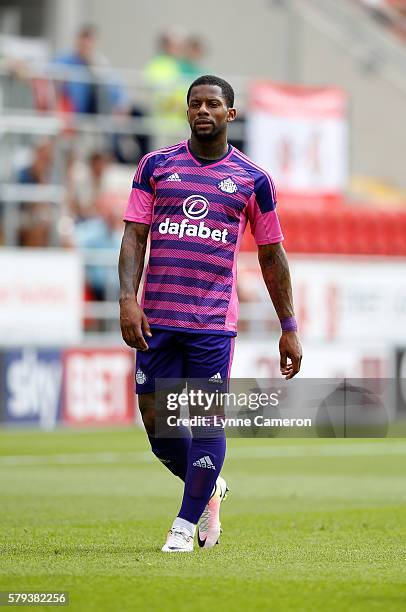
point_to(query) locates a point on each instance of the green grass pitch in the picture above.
(309, 525)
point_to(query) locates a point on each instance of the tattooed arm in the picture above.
(275, 271)
(131, 265)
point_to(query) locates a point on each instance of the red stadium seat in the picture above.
(342, 229)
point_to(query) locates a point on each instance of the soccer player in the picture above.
(195, 199)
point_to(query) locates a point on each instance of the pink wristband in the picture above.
(289, 324)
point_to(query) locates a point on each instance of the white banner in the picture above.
(299, 134)
(351, 300)
(343, 299)
(257, 358)
(40, 297)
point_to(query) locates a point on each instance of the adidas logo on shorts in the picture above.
(205, 462)
(216, 378)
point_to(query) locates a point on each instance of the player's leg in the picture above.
(163, 359)
(172, 452)
(209, 527)
(208, 357)
(205, 461)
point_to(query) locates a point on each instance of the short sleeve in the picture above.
(141, 200)
(264, 222)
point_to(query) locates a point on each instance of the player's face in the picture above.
(207, 112)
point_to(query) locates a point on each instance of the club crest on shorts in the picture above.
(227, 185)
(140, 377)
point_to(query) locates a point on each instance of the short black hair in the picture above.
(209, 79)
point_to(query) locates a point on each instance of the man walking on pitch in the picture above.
(195, 198)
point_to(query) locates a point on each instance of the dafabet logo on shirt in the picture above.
(195, 207)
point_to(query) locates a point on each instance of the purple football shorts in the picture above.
(179, 355)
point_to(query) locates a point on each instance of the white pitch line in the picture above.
(348, 449)
(72, 459)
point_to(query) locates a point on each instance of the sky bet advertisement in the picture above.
(44, 387)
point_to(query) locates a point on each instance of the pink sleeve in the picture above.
(139, 206)
(141, 201)
(265, 226)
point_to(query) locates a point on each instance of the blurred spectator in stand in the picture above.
(39, 171)
(102, 233)
(377, 9)
(399, 5)
(165, 67)
(390, 13)
(95, 91)
(16, 88)
(191, 64)
(85, 184)
(164, 74)
(399, 26)
(36, 217)
(25, 80)
(129, 147)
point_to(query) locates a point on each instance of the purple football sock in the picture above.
(206, 458)
(173, 452)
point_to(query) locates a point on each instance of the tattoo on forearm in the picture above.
(131, 260)
(275, 271)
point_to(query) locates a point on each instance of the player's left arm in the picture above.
(276, 274)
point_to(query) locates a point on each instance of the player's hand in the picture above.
(290, 348)
(133, 323)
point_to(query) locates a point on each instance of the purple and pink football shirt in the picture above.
(198, 213)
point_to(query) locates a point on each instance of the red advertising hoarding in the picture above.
(98, 386)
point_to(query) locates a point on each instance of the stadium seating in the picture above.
(343, 229)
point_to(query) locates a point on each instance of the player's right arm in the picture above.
(133, 320)
(138, 217)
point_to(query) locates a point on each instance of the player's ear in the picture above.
(231, 114)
